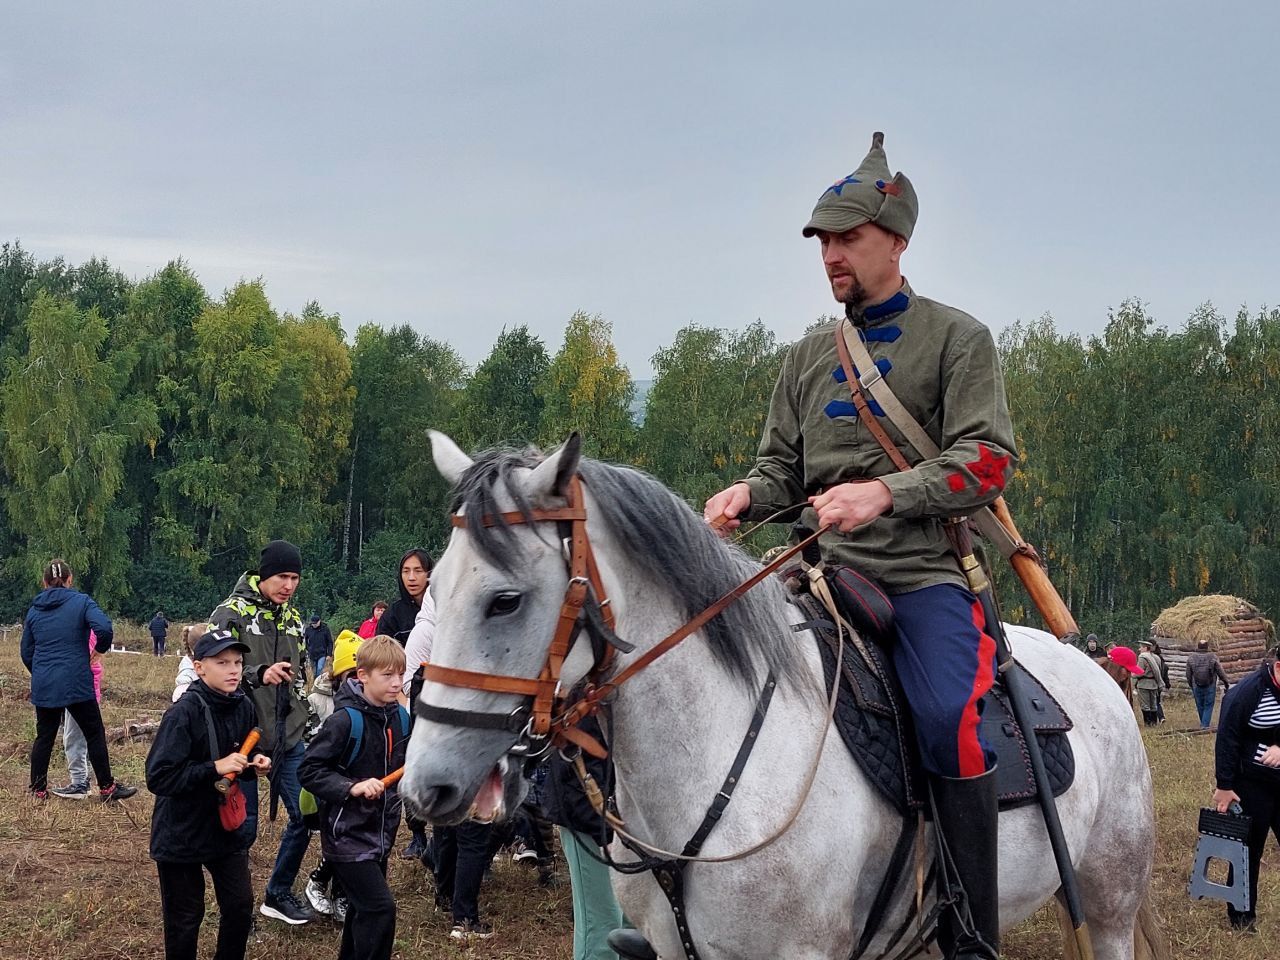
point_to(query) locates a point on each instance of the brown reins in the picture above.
(538, 719)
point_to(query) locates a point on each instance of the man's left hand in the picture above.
(848, 506)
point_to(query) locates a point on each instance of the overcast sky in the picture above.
(467, 166)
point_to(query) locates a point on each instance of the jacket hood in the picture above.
(425, 559)
(247, 589)
(351, 694)
(53, 597)
(323, 685)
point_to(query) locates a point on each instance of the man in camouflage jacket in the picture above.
(942, 365)
(259, 613)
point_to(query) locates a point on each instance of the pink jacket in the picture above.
(96, 667)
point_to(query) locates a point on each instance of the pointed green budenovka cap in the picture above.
(871, 194)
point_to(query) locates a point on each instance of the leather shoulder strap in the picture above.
(853, 351)
(872, 382)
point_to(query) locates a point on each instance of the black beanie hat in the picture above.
(279, 556)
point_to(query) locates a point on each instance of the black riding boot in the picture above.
(967, 816)
(630, 945)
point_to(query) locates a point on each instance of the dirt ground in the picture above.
(76, 881)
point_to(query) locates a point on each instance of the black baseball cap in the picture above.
(214, 642)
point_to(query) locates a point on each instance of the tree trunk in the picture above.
(346, 521)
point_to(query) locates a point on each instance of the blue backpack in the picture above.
(307, 801)
(356, 737)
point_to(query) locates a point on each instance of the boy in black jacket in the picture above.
(187, 835)
(361, 743)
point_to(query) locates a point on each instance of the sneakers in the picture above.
(39, 794)
(416, 848)
(471, 930)
(286, 907)
(72, 791)
(117, 791)
(318, 898)
(340, 909)
(524, 852)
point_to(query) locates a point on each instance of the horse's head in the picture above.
(498, 593)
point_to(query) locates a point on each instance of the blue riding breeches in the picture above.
(946, 663)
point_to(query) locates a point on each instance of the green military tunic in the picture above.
(942, 365)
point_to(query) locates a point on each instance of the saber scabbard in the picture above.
(1015, 680)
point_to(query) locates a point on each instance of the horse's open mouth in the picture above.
(490, 801)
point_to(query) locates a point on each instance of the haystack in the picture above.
(1235, 629)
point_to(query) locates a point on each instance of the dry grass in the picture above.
(76, 882)
(1194, 619)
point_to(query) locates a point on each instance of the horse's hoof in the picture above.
(630, 945)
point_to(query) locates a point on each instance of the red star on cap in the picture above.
(989, 469)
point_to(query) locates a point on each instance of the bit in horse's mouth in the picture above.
(490, 803)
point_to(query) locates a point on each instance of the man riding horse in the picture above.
(889, 523)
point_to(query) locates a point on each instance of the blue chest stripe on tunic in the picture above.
(845, 408)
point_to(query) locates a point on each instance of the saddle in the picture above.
(876, 727)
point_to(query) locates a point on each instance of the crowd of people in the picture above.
(330, 729)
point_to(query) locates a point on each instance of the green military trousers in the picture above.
(595, 910)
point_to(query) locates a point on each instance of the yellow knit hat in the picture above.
(344, 652)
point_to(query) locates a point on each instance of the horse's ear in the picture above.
(450, 460)
(551, 477)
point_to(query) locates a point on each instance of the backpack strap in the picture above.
(355, 737)
(404, 720)
(208, 722)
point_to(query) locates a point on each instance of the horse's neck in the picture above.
(677, 727)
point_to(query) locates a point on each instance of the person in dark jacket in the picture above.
(1203, 673)
(583, 835)
(360, 815)
(55, 650)
(159, 628)
(187, 835)
(1247, 767)
(318, 639)
(260, 614)
(415, 573)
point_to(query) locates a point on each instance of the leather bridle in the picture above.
(548, 717)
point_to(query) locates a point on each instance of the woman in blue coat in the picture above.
(55, 649)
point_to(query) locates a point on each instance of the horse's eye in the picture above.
(504, 604)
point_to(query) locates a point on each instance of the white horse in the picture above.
(677, 726)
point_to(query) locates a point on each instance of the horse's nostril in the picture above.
(426, 803)
(445, 798)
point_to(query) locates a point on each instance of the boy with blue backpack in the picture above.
(362, 743)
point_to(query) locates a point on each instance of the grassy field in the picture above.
(76, 882)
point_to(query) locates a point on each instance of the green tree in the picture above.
(65, 433)
(241, 466)
(405, 384)
(152, 340)
(501, 403)
(706, 409)
(586, 389)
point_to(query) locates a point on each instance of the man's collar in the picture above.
(896, 304)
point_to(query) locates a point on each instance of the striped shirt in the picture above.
(1263, 722)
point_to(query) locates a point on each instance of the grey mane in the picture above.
(665, 538)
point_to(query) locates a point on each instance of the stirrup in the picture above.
(630, 945)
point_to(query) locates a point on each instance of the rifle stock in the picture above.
(1043, 593)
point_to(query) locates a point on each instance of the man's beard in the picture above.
(854, 297)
